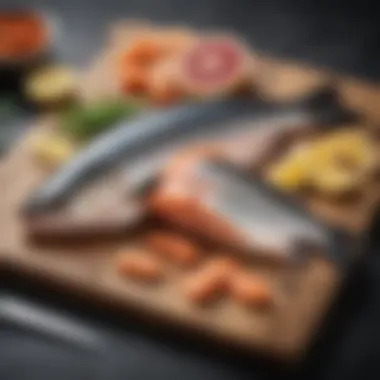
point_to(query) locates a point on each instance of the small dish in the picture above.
(26, 40)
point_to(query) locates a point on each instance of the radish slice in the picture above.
(214, 65)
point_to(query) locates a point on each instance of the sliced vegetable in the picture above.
(51, 149)
(332, 164)
(213, 66)
(334, 181)
(50, 85)
(351, 149)
(289, 174)
(83, 123)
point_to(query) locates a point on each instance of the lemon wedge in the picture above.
(49, 85)
(51, 150)
(333, 181)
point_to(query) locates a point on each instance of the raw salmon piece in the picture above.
(250, 290)
(139, 266)
(209, 282)
(173, 247)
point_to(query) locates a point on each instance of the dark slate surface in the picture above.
(340, 37)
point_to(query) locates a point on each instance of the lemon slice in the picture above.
(51, 150)
(333, 181)
(288, 175)
(293, 170)
(51, 85)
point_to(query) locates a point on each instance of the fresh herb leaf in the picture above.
(84, 123)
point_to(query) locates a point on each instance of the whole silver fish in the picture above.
(167, 130)
(229, 207)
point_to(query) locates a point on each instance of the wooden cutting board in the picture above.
(283, 331)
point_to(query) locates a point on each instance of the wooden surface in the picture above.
(283, 331)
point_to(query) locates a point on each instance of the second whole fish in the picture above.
(222, 204)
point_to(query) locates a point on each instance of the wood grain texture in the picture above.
(283, 331)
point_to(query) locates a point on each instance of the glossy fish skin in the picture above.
(172, 126)
(224, 205)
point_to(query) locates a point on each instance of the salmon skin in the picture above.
(173, 127)
(227, 206)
